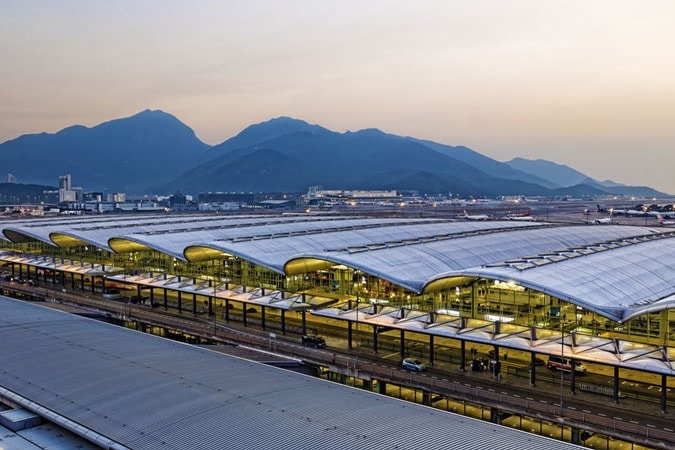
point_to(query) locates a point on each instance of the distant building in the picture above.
(65, 182)
(317, 194)
(93, 197)
(243, 197)
(9, 178)
(68, 194)
(276, 204)
(218, 206)
(178, 200)
(117, 197)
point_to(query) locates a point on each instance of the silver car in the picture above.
(412, 364)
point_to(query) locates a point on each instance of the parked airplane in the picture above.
(474, 216)
(606, 220)
(635, 212)
(663, 221)
(521, 217)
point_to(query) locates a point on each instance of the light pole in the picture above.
(356, 361)
(213, 306)
(562, 359)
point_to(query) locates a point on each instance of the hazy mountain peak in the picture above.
(557, 173)
(370, 132)
(262, 132)
(114, 155)
(278, 127)
(282, 153)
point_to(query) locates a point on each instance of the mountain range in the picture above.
(154, 152)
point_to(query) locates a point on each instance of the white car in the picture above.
(412, 364)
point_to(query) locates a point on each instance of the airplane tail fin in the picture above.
(659, 217)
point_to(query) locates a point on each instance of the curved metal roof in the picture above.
(415, 266)
(617, 271)
(616, 281)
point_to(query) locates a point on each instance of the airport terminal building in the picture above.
(521, 280)
(584, 294)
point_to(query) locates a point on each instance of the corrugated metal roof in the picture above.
(145, 392)
(616, 270)
(618, 283)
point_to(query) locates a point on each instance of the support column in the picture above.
(573, 377)
(426, 398)
(180, 302)
(431, 349)
(82, 282)
(664, 392)
(283, 321)
(166, 299)
(375, 333)
(244, 312)
(262, 316)
(462, 356)
(533, 370)
(349, 327)
(194, 304)
(496, 364)
(495, 416)
(402, 349)
(227, 310)
(616, 384)
(304, 321)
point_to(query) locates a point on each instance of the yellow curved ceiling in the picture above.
(442, 284)
(304, 265)
(121, 245)
(200, 253)
(64, 240)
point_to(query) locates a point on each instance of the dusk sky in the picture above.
(590, 84)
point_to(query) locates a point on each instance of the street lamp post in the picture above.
(212, 306)
(562, 356)
(356, 361)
